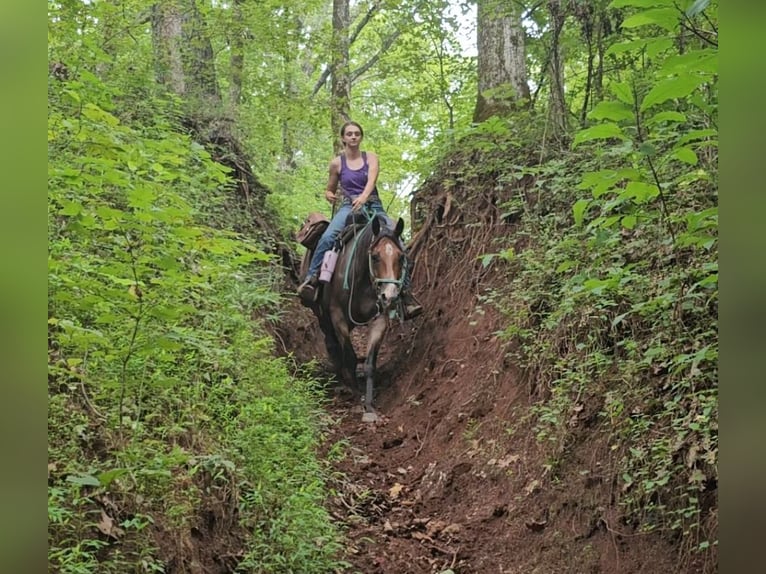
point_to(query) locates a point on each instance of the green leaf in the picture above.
(611, 110)
(601, 131)
(623, 91)
(697, 135)
(670, 88)
(83, 480)
(627, 46)
(565, 266)
(578, 210)
(107, 477)
(141, 197)
(666, 18)
(96, 114)
(639, 191)
(691, 63)
(658, 46)
(685, 155)
(647, 148)
(668, 116)
(70, 207)
(629, 221)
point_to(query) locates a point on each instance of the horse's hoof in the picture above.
(369, 417)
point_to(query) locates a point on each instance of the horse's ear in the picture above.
(375, 225)
(399, 227)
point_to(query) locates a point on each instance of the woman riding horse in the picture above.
(357, 173)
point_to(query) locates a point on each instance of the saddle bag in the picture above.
(312, 229)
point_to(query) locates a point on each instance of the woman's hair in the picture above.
(343, 129)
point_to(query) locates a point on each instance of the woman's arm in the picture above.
(332, 180)
(373, 168)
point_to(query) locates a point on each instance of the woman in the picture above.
(357, 173)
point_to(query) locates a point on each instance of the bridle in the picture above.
(377, 282)
(380, 282)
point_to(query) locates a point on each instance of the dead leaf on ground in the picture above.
(532, 487)
(535, 525)
(108, 527)
(395, 490)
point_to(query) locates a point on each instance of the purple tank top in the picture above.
(352, 181)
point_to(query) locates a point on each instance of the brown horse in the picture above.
(364, 291)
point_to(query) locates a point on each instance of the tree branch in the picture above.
(372, 61)
(354, 35)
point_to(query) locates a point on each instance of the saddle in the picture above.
(312, 229)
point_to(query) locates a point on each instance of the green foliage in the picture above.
(615, 305)
(162, 396)
(284, 486)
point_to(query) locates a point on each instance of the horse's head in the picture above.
(387, 262)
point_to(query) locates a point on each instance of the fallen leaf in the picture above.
(532, 487)
(508, 460)
(395, 490)
(107, 526)
(536, 525)
(435, 526)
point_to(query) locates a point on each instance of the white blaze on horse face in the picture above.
(389, 290)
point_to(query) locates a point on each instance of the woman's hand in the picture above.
(329, 196)
(359, 201)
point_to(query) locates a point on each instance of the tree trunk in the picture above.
(183, 53)
(340, 96)
(237, 59)
(559, 113)
(167, 27)
(501, 60)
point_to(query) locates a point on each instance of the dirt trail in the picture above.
(452, 478)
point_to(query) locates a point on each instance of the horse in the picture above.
(363, 291)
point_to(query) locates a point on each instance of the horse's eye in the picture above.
(376, 258)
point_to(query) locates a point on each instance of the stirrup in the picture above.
(307, 291)
(412, 308)
(412, 311)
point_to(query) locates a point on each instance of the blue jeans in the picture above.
(334, 229)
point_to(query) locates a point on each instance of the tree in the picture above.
(183, 52)
(501, 60)
(558, 110)
(340, 99)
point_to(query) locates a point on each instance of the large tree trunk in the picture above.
(558, 111)
(167, 39)
(501, 60)
(237, 58)
(183, 53)
(340, 98)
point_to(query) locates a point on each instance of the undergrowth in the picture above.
(610, 282)
(175, 439)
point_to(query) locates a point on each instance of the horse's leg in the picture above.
(375, 338)
(331, 342)
(347, 355)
